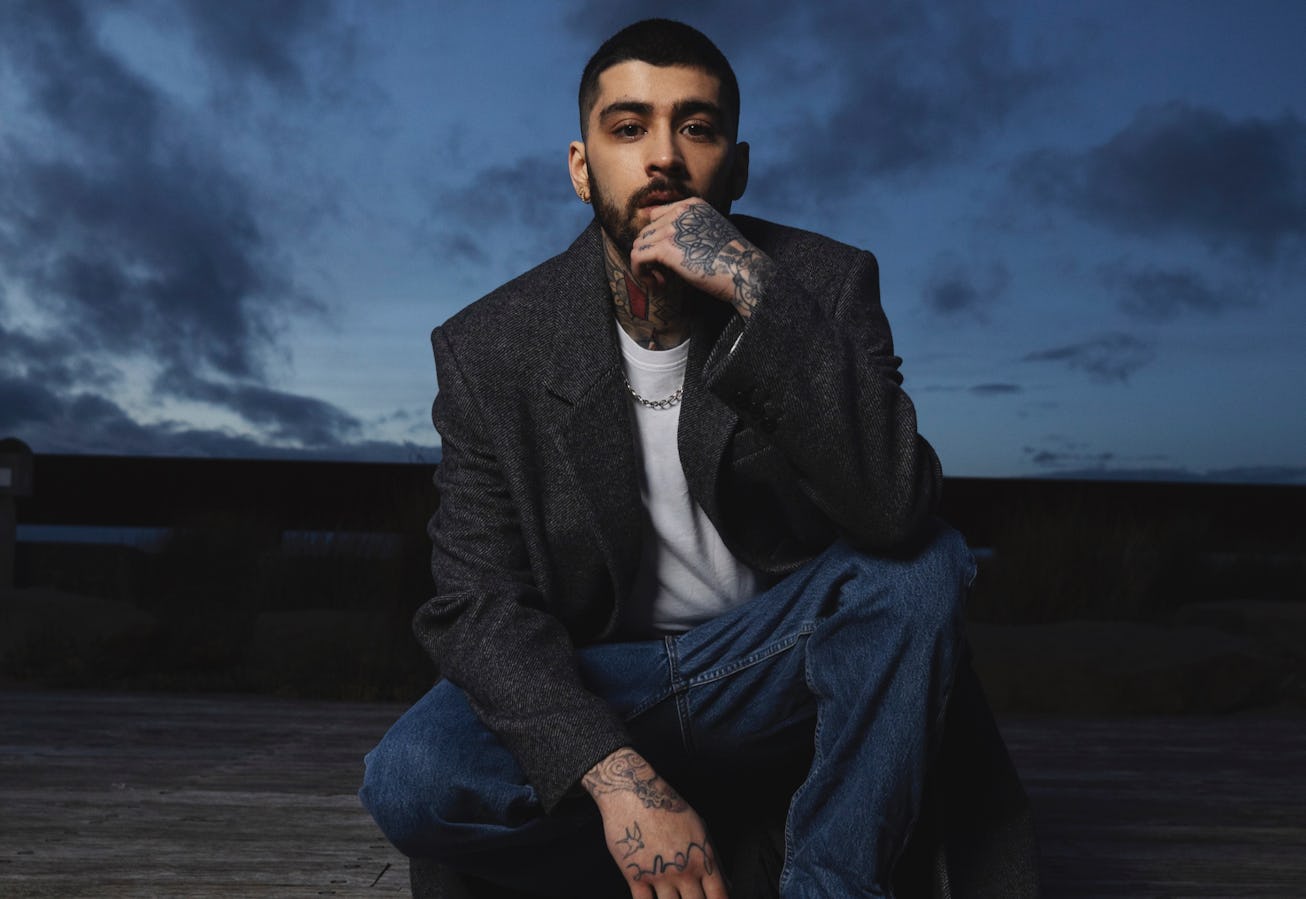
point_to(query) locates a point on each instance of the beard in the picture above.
(621, 221)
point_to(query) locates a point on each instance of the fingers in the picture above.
(642, 891)
(714, 887)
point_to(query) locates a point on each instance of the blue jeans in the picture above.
(844, 666)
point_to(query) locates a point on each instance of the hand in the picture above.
(658, 841)
(691, 240)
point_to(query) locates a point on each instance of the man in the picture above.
(685, 544)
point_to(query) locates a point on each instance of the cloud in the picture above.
(1157, 294)
(508, 216)
(257, 39)
(1265, 474)
(901, 89)
(1110, 357)
(24, 403)
(1185, 170)
(138, 244)
(54, 421)
(956, 289)
(996, 389)
(285, 416)
(1046, 458)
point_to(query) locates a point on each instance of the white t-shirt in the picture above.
(686, 574)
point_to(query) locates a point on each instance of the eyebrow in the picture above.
(681, 109)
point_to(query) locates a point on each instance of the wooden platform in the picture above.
(106, 795)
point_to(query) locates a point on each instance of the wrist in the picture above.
(625, 779)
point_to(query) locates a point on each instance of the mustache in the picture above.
(678, 189)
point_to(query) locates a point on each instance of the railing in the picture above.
(348, 496)
(263, 566)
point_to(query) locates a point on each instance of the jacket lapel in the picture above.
(706, 422)
(591, 424)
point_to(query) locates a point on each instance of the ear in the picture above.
(579, 170)
(739, 171)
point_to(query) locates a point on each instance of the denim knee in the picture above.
(410, 818)
(438, 776)
(926, 590)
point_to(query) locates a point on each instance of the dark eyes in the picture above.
(698, 130)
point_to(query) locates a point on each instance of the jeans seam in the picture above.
(786, 866)
(679, 691)
(772, 649)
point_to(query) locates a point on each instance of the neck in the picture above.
(655, 316)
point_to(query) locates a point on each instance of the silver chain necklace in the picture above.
(655, 404)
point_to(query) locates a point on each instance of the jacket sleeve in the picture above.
(817, 378)
(486, 627)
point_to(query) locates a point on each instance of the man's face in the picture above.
(656, 134)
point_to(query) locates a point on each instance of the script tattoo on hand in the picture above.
(628, 772)
(679, 862)
(632, 842)
(702, 233)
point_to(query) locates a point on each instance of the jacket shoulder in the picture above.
(514, 307)
(785, 241)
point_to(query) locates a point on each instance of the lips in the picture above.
(660, 194)
(661, 198)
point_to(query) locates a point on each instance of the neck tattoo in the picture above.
(654, 317)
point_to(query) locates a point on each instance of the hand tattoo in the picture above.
(633, 841)
(680, 861)
(628, 772)
(702, 233)
(711, 245)
(752, 272)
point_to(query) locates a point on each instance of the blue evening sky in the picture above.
(227, 228)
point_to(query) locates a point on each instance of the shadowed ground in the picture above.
(131, 794)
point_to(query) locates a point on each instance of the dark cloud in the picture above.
(956, 289)
(53, 421)
(1110, 357)
(1259, 474)
(142, 240)
(1048, 458)
(1186, 170)
(1070, 459)
(284, 416)
(1157, 294)
(996, 389)
(530, 199)
(902, 87)
(24, 403)
(1104, 471)
(120, 221)
(254, 38)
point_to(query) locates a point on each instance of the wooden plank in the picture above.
(1167, 806)
(112, 795)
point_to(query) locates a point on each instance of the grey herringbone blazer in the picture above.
(794, 432)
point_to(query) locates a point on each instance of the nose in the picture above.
(664, 156)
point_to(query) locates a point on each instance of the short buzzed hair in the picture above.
(659, 42)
